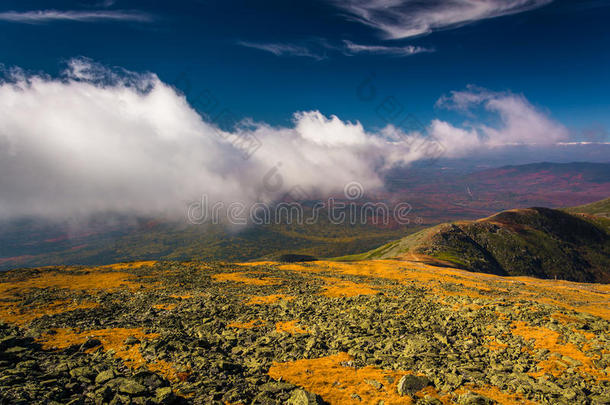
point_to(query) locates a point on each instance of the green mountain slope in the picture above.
(538, 242)
(598, 208)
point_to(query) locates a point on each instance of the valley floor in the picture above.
(374, 332)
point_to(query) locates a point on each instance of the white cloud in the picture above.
(98, 140)
(352, 48)
(409, 18)
(519, 121)
(279, 49)
(43, 16)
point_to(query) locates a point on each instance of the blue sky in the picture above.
(555, 53)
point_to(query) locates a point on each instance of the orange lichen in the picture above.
(168, 371)
(242, 277)
(131, 265)
(268, 299)
(593, 299)
(166, 307)
(550, 340)
(11, 313)
(494, 344)
(291, 327)
(86, 281)
(181, 297)
(263, 263)
(335, 287)
(563, 318)
(111, 339)
(246, 325)
(336, 382)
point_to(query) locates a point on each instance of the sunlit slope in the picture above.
(538, 242)
(598, 208)
(343, 333)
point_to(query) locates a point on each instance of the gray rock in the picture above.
(82, 372)
(410, 384)
(104, 376)
(302, 397)
(165, 395)
(132, 387)
(471, 398)
(131, 340)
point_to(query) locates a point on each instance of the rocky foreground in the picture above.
(377, 332)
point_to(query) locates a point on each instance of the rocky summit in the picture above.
(376, 332)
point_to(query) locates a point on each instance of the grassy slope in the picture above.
(536, 242)
(598, 208)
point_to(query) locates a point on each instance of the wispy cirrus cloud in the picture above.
(45, 16)
(283, 49)
(321, 49)
(399, 19)
(400, 51)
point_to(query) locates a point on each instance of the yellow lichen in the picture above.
(246, 325)
(23, 315)
(268, 299)
(544, 338)
(242, 277)
(165, 307)
(111, 339)
(291, 327)
(336, 287)
(336, 382)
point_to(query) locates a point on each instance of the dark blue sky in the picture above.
(557, 55)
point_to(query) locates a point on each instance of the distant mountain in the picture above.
(538, 242)
(437, 194)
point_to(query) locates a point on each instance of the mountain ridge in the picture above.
(537, 241)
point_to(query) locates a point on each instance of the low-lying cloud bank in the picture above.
(97, 140)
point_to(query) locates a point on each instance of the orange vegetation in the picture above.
(336, 382)
(166, 307)
(291, 327)
(111, 339)
(581, 297)
(494, 344)
(246, 325)
(242, 277)
(263, 263)
(131, 265)
(335, 288)
(268, 299)
(182, 297)
(561, 354)
(23, 315)
(80, 281)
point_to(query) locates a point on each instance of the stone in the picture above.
(470, 398)
(302, 397)
(132, 388)
(104, 376)
(409, 384)
(164, 395)
(131, 340)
